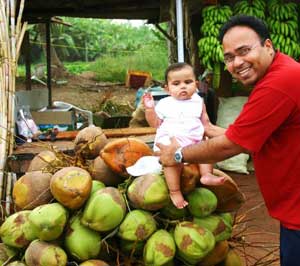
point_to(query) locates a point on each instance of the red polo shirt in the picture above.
(269, 127)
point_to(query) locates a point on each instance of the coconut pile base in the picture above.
(123, 220)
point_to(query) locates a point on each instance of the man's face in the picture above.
(244, 55)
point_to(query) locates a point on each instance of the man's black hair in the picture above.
(177, 66)
(251, 22)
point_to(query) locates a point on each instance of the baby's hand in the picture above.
(148, 100)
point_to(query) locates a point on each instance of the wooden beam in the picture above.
(165, 33)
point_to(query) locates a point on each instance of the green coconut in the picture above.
(159, 249)
(202, 202)
(71, 186)
(81, 242)
(16, 230)
(216, 225)
(137, 225)
(96, 185)
(94, 263)
(41, 253)
(148, 192)
(227, 217)
(193, 241)
(6, 253)
(173, 213)
(48, 221)
(32, 190)
(105, 210)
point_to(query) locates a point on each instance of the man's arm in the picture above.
(208, 151)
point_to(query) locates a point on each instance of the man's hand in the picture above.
(166, 153)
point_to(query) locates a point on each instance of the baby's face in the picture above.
(182, 83)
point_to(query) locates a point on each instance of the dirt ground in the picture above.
(260, 232)
(256, 235)
(85, 92)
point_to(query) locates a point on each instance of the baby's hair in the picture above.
(177, 66)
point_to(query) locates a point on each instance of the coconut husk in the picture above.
(217, 255)
(71, 186)
(89, 142)
(189, 178)
(122, 153)
(94, 263)
(229, 196)
(32, 190)
(100, 171)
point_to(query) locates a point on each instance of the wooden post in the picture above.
(172, 49)
(48, 52)
(26, 53)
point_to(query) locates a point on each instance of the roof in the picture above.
(154, 11)
(151, 10)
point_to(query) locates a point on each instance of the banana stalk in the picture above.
(216, 75)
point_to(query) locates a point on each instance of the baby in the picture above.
(179, 115)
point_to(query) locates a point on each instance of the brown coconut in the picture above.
(71, 186)
(122, 153)
(232, 259)
(16, 263)
(229, 196)
(44, 160)
(101, 172)
(190, 176)
(89, 142)
(42, 253)
(32, 190)
(217, 255)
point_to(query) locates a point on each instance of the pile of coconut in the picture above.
(87, 210)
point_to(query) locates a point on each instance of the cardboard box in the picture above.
(136, 79)
(53, 118)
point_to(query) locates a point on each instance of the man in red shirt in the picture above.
(268, 127)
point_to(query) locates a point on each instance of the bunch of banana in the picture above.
(252, 8)
(210, 28)
(286, 45)
(282, 11)
(216, 13)
(210, 50)
(288, 28)
(283, 25)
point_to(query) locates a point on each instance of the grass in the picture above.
(113, 67)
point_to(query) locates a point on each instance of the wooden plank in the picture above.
(111, 133)
(125, 132)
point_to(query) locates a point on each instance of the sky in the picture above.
(133, 22)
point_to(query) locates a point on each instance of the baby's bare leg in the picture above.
(172, 175)
(207, 176)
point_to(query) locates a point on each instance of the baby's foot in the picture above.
(212, 180)
(177, 199)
